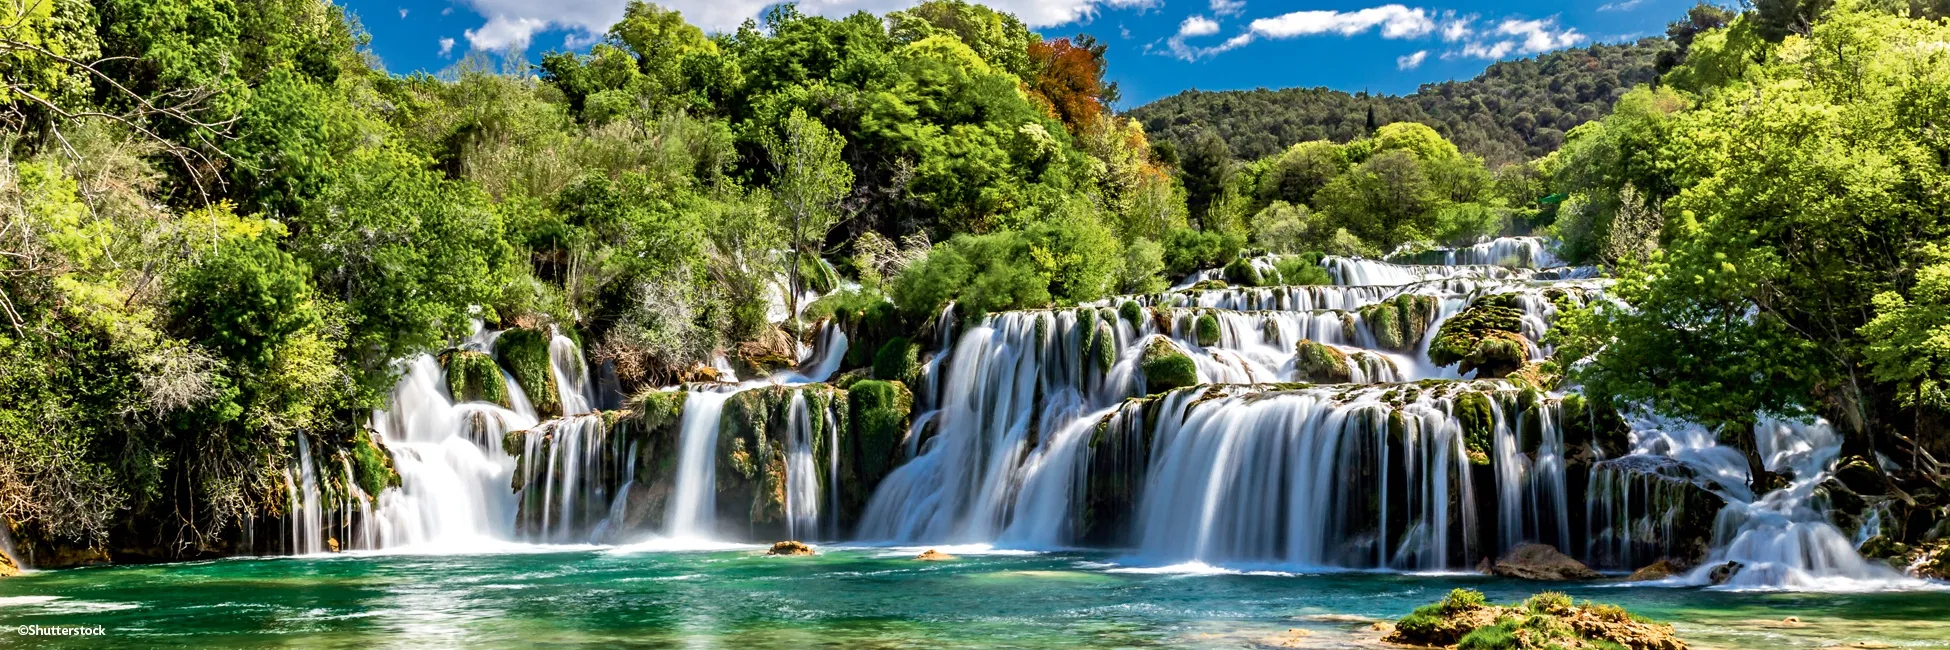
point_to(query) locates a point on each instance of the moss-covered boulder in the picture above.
(524, 352)
(1486, 338)
(474, 377)
(1241, 273)
(1205, 329)
(751, 471)
(897, 360)
(1320, 363)
(1400, 323)
(1478, 418)
(1132, 313)
(1466, 620)
(1166, 368)
(879, 416)
(372, 467)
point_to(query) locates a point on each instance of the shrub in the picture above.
(1131, 313)
(1206, 329)
(1548, 602)
(1462, 600)
(1301, 270)
(897, 360)
(1502, 636)
(1241, 272)
(1187, 250)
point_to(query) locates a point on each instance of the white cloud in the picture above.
(1456, 28)
(1411, 61)
(1539, 36)
(1198, 26)
(1627, 5)
(402, 13)
(447, 12)
(514, 23)
(1228, 7)
(446, 46)
(1395, 21)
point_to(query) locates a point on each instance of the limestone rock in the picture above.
(1724, 572)
(1320, 363)
(1487, 338)
(790, 547)
(1540, 562)
(1659, 570)
(932, 555)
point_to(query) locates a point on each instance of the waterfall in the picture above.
(801, 473)
(306, 517)
(575, 461)
(360, 533)
(693, 503)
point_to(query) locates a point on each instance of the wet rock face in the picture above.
(474, 377)
(773, 350)
(1646, 508)
(524, 352)
(1540, 562)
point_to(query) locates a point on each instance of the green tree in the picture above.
(809, 181)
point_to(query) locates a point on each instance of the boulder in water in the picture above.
(1486, 338)
(474, 377)
(1206, 329)
(790, 547)
(932, 555)
(1659, 570)
(1540, 562)
(1547, 620)
(1166, 368)
(1724, 572)
(1931, 561)
(1320, 363)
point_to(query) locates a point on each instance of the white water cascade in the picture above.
(307, 516)
(1252, 475)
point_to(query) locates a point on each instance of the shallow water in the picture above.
(846, 597)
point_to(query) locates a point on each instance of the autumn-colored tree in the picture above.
(1070, 76)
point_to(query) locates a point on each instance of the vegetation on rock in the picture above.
(1166, 368)
(1465, 619)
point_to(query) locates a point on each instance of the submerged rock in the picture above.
(1722, 573)
(790, 547)
(932, 555)
(1540, 562)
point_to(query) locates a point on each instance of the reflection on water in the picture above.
(851, 597)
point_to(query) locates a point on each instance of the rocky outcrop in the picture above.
(879, 414)
(524, 352)
(1659, 570)
(771, 350)
(932, 555)
(9, 567)
(1399, 324)
(1645, 508)
(1486, 338)
(474, 377)
(1540, 562)
(1547, 620)
(790, 547)
(1166, 368)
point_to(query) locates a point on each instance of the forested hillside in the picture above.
(1515, 110)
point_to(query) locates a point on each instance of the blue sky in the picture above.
(1157, 47)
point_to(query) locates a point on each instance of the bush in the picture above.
(1548, 602)
(1206, 329)
(897, 360)
(1131, 313)
(1301, 270)
(1241, 272)
(1144, 268)
(1463, 600)
(1187, 251)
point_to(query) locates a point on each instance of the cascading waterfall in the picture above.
(693, 512)
(802, 503)
(307, 518)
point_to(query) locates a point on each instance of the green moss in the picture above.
(1301, 270)
(474, 377)
(1502, 636)
(1131, 313)
(524, 352)
(897, 360)
(656, 409)
(1478, 420)
(879, 419)
(371, 465)
(1103, 347)
(1485, 338)
(1206, 329)
(1320, 363)
(1400, 323)
(1166, 369)
(1241, 272)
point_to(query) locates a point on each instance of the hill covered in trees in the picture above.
(1515, 110)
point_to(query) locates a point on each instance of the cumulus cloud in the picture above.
(1198, 26)
(1539, 36)
(1228, 7)
(446, 46)
(1412, 61)
(1456, 28)
(1395, 21)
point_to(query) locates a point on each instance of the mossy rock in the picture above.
(1548, 620)
(1320, 363)
(1206, 329)
(524, 352)
(1241, 272)
(1103, 347)
(372, 467)
(1400, 323)
(1478, 418)
(897, 360)
(880, 412)
(1132, 313)
(474, 377)
(1166, 368)
(1210, 285)
(1486, 338)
